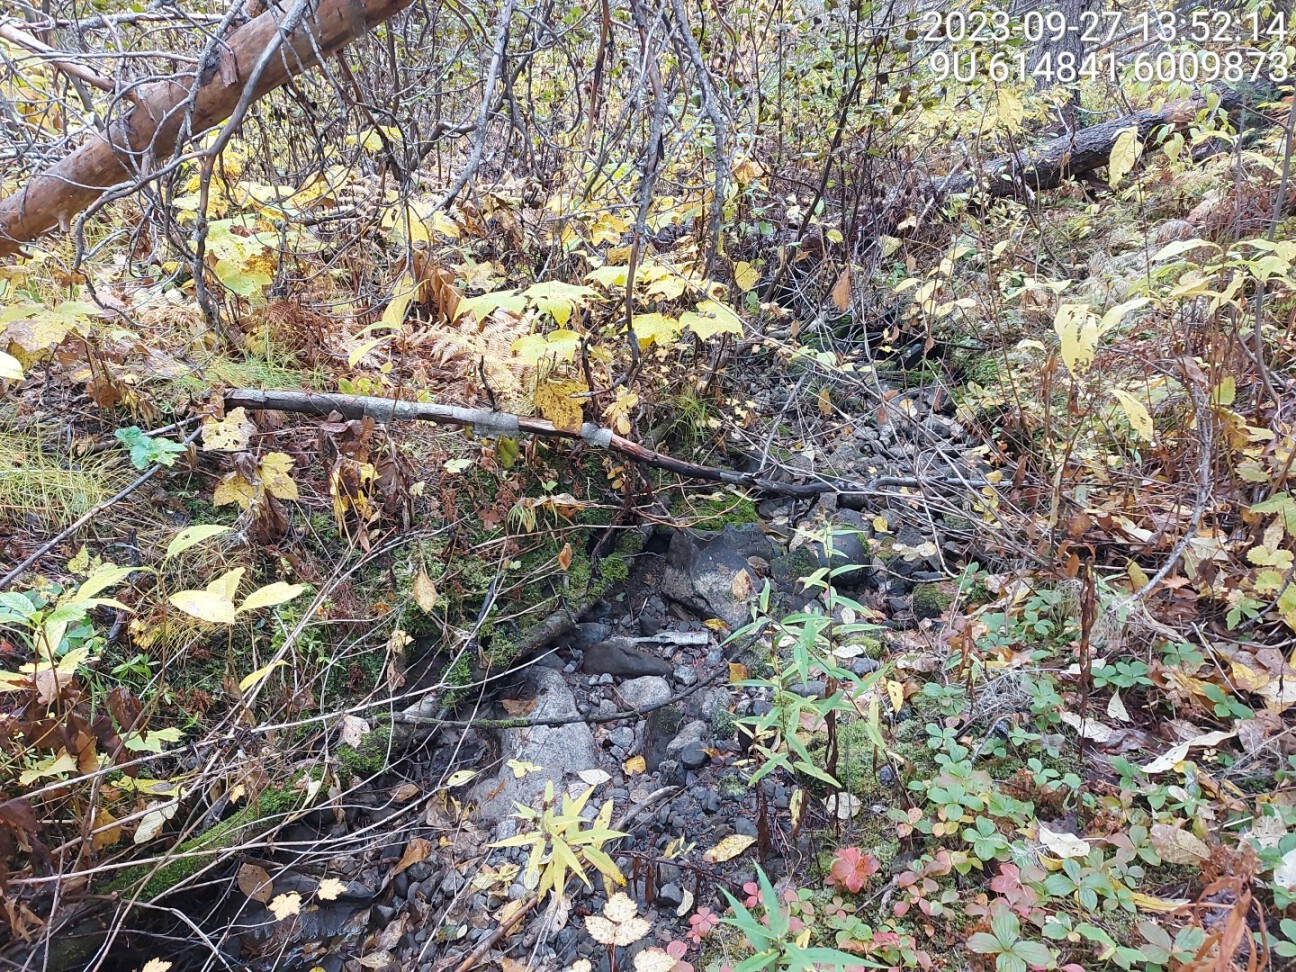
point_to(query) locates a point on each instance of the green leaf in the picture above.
(1033, 953)
(145, 451)
(1008, 962)
(983, 943)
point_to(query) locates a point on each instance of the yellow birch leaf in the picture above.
(746, 276)
(205, 606)
(250, 680)
(635, 765)
(393, 316)
(1123, 156)
(895, 692)
(728, 849)
(555, 402)
(1139, 419)
(270, 595)
(329, 889)
(711, 318)
(1078, 331)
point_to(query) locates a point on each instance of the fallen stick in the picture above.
(488, 422)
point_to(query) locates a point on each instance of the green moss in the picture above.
(714, 512)
(192, 855)
(371, 757)
(731, 786)
(930, 600)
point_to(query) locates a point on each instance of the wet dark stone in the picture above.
(670, 896)
(693, 756)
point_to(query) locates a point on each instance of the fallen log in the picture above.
(148, 132)
(488, 422)
(1051, 163)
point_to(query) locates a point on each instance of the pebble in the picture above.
(605, 679)
(744, 826)
(863, 665)
(452, 882)
(670, 896)
(693, 756)
(685, 675)
(622, 736)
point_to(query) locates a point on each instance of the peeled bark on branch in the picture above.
(147, 133)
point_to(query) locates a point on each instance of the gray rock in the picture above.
(702, 567)
(622, 736)
(640, 693)
(619, 657)
(685, 675)
(851, 535)
(744, 826)
(590, 633)
(693, 732)
(558, 750)
(693, 756)
(670, 896)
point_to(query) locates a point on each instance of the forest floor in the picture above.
(986, 663)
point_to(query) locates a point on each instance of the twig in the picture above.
(489, 942)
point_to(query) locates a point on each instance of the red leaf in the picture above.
(851, 869)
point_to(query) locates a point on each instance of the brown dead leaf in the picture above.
(841, 292)
(405, 792)
(254, 881)
(518, 707)
(416, 850)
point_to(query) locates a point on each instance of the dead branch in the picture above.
(488, 422)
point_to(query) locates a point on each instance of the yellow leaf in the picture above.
(825, 401)
(285, 905)
(1123, 156)
(555, 402)
(270, 595)
(737, 672)
(276, 475)
(1010, 111)
(746, 276)
(1139, 419)
(711, 318)
(425, 592)
(1078, 331)
(741, 587)
(1147, 902)
(635, 765)
(393, 316)
(460, 777)
(250, 680)
(156, 965)
(234, 488)
(521, 767)
(329, 889)
(10, 367)
(205, 606)
(190, 536)
(728, 849)
(1138, 577)
(716, 625)
(895, 692)
(1225, 391)
(230, 434)
(655, 329)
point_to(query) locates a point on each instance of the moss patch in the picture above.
(930, 600)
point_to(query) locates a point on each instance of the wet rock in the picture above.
(745, 826)
(851, 547)
(702, 567)
(558, 750)
(619, 657)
